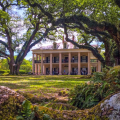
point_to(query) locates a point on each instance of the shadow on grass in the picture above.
(54, 84)
(42, 82)
(14, 86)
(37, 78)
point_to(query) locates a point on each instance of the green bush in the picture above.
(22, 72)
(4, 71)
(27, 68)
(86, 96)
(101, 85)
(26, 113)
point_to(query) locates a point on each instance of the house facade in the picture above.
(64, 59)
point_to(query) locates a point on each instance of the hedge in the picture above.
(4, 71)
(7, 71)
(22, 71)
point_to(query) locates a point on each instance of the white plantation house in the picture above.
(64, 59)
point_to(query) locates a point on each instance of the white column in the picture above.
(33, 64)
(44, 70)
(41, 64)
(60, 65)
(89, 71)
(99, 66)
(79, 63)
(36, 66)
(69, 64)
(50, 63)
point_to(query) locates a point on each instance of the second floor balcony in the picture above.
(64, 60)
(84, 60)
(37, 61)
(74, 60)
(55, 61)
(46, 61)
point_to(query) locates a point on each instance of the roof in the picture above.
(59, 46)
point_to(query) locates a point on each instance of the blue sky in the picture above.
(29, 55)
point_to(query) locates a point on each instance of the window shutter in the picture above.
(86, 58)
(86, 69)
(81, 58)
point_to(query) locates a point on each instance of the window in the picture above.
(65, 45)
(84, 59)
(55, 46)
(75, 47)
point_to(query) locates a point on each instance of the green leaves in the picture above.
(46, 117)
(26, 112)
(88, 95)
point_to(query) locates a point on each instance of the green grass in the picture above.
(41, 84)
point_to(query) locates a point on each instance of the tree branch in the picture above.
(39, 6)
(3, 43)
(89, 47)
(4, 53)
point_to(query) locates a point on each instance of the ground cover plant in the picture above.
(102, 84)
(49, 94)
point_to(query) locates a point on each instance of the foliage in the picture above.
(98, 76)
(22, 72)
(4, 71)
(25, 67)
(101, 85)
(46, 117)
(26, 113)
(86, 96)
(4, 64)
(29, 112)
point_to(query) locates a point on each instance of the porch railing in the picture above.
(37, 61)
(55, 61)
(84, 60)
(64, 61)
(46, 61)
(93, 60)
(74, 61)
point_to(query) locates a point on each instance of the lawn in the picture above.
(41, 84)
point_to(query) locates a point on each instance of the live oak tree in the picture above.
(20, 33)
(102, 21)
(93, 17)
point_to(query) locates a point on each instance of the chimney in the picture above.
(73, 38)
(63, 38)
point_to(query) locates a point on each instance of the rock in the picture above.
(5, 93)
(112, 107)
(107, 109)
(10, 102)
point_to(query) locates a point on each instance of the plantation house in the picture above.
(64, 59)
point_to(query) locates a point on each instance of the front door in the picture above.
(46, 59)
(66, 59)
(54, 59)
(84, 71)
(47, 72)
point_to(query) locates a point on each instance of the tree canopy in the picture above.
(42, 18)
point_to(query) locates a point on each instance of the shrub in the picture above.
(26, 113)
(22, 72)
(4, 71)
(101, 85)
(86, 96)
